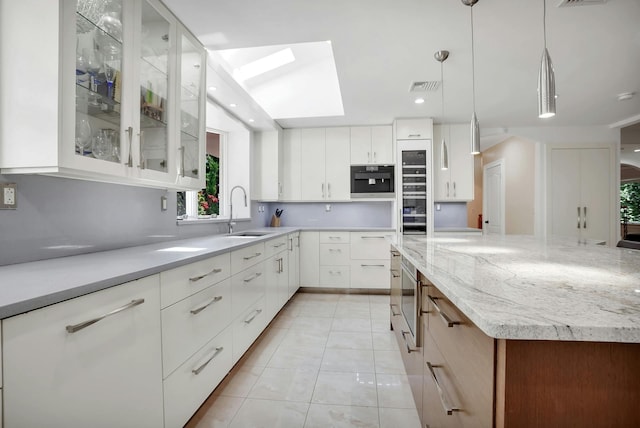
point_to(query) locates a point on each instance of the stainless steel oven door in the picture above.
(410, 301)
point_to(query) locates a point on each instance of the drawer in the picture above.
(335, 276)
(458, 342)
(181, 282)
(247, 287)
(334, 237)
(370, 274)
(190, 385)
(334, 254)
(275, 246)
(370, 245)
(247, 327)
(245, 257)
(192, 322)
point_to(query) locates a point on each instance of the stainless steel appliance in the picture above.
(372, 181)
(414, 192)
(410, 302)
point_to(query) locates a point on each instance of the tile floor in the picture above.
(327, 360)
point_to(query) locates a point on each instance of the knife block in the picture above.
(275, 221)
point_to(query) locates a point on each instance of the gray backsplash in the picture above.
(451, 214)
(58, 217)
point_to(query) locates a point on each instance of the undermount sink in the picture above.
(247, 234)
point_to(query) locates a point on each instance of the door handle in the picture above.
(584, 223)
(578, 217)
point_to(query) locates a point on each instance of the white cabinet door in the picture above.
(456, 182)
(309, 259)
(361, 145)
(291, 170)
(294, 263)
(565, 196)
(312, 162)
(595, 191)
(107, 374)
(441, 177)
(382, 145)
(337, 165)
(277, 282)
(266, 181)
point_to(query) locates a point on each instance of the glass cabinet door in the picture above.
(191, 69)
(98, 79)
(156, 39)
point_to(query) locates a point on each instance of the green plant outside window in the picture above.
(630, 202)
(208, 197)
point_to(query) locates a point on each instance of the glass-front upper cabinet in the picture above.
(191, 112)
(99, 79)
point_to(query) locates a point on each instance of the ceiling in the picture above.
(381, 46)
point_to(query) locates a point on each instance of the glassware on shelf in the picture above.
(83, 135)
(93, 65)
(102, 147)
(111, 66)
(82, 76)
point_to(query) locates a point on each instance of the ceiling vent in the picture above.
(570, 3)
(426, 86)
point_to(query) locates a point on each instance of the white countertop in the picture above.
(520, 287)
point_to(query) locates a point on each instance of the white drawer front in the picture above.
(334, 254)
(334, 237)
(247, 287)
(247, 327)
(275, 246)
(181, 282)
(334, 276)
(192, 322)
(245, 257)
(370, 274)
(190, 385)
(370, 245)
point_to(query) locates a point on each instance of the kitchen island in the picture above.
(537, 332)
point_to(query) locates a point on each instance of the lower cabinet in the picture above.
(294, 263)
(248, 326)
(61, 369)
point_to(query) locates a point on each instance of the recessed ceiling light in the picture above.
(251, 120)
(637, 150)
(625, 96)
(233, 105)
(212, 88)
(419, 100)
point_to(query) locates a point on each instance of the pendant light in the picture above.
(475, 126)
(441, 56)
(546, 76)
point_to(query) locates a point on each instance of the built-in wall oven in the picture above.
(414, 192)
(410, 303)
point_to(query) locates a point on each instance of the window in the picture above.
(205, 203)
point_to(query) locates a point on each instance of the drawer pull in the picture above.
(445, 405)
(395, 253)
(199, 277)
(363, 265)
(257, 312)
(404, 336)
(335, 250)
(447, 320)
(80, 326)
(372, 237)
(257, 274)
(251, 257)
(196, 311)
(395, 273)
(215, 354)
(335, 272)
(335, 237)
(279, 245)
(392, 311)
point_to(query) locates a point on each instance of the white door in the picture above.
(564, 185)
(493, 216)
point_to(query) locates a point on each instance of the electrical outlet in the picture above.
(327, 207)
(163, 203)
(9, 196)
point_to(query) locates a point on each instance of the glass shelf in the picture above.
(106, 109)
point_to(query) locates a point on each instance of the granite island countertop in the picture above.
(521, 287)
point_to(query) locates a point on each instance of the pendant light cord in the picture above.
(442, 78)
(544, 21)
(473, 65)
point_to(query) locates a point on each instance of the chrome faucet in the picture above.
(231, 205)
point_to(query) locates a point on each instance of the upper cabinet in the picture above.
(109, 91)
(414, 129)
(456, 182)
(371, 145)
(324, 162)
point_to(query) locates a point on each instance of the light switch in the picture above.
(163, 203)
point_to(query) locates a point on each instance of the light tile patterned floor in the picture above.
(327, 360)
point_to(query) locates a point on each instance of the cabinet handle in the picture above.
(445, 405)
(578, 217)
(447, 189)
(323, 190)
(374, 157)
(251, 257)
(279, 245)
(257, 312)
(454, 189)
(369, 157)
(404, 336)
(196, 311)
(281, 265)
(256, 275)
(328, 190)
(335, 250)
(372, 237)
(130, 135)
(215, 354)
(335, 272)
(77, 327)
(335, 237)
(141, 139)
(199, 277)
(182, 172)
(395, 253)
(414, 135)
(363, 265)
(298, 241)
(279, 188)
(392, 311)
(584, 223)
(395, 273)
(447, 320)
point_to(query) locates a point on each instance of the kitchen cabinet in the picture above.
(277, 275)
(413, 129)
(579, 189)
(395, 279)
(334, 260)
(309, 259)
(268, 179)
(325, 163)
(291, 171)
(294, 263)
(78, 374)
(369, 259)
(456, 182)
(371, 145)
(116, 90)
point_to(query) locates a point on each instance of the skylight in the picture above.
(264, 64)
